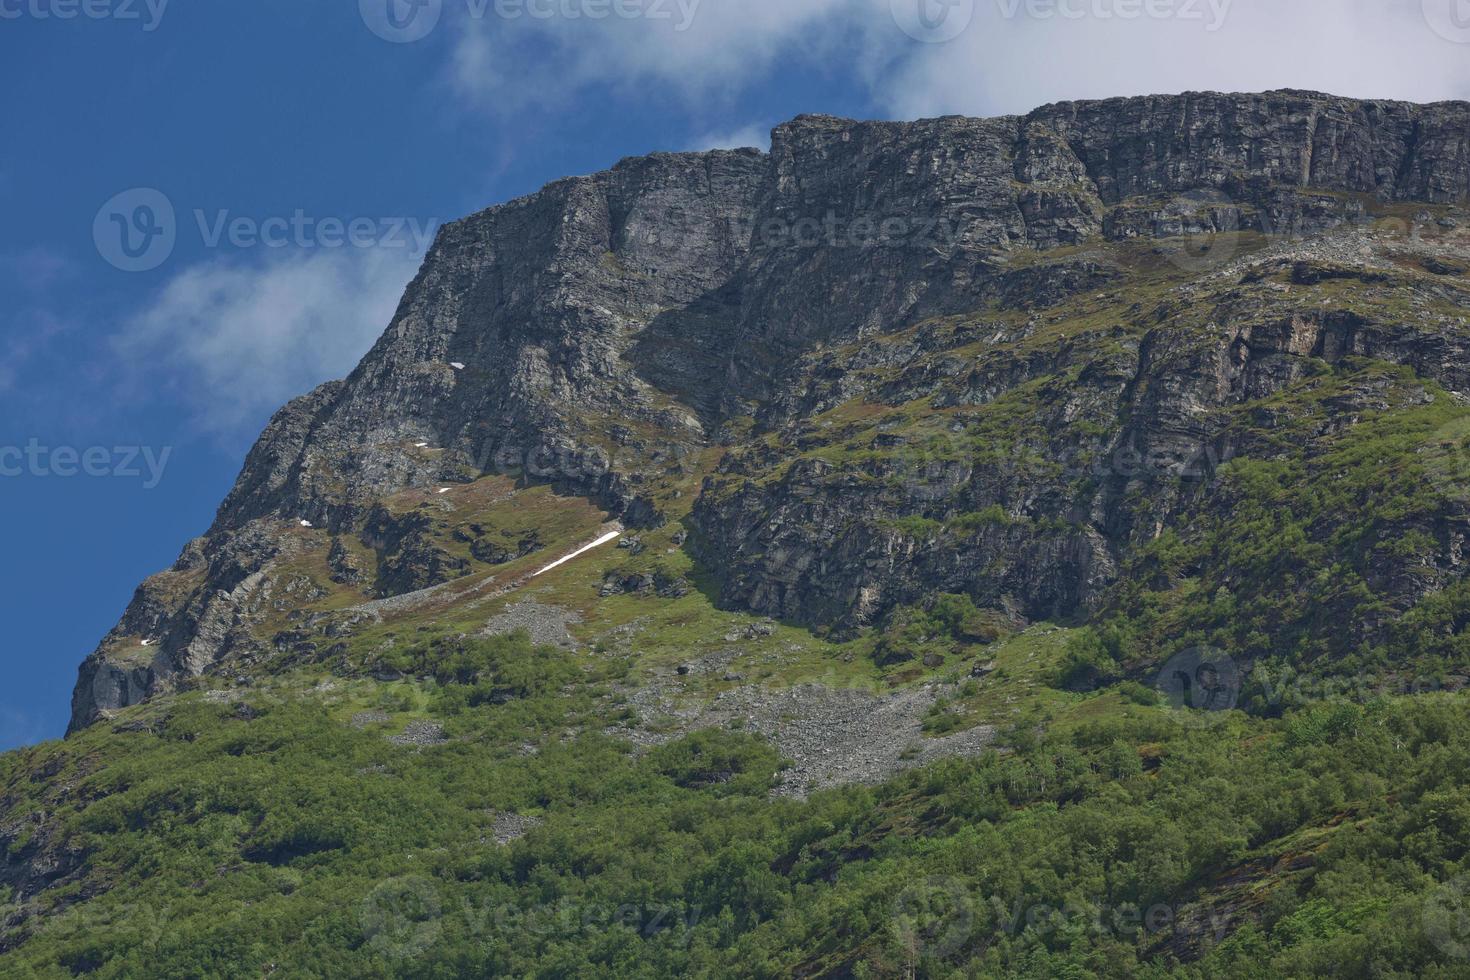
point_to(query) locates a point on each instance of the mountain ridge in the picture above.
(615, 325)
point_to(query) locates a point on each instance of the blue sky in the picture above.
(238, 144)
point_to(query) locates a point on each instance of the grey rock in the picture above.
(423, 734)
(546, 624)
(508, 828)
(675, 292)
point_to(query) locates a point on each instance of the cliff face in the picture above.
(539, 301)
(956, 355)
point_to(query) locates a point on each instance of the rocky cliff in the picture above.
(1019, 359)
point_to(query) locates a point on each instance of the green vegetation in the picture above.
(283, 839)
(407, 796)
(1289, 552)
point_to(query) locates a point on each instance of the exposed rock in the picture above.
(424, 734)
(497, 549)
(346, 569)
(511, 827)
(613, 326)
(547, 625)
(659, 582)
(833, 737)
(408, 558)
(754, 631)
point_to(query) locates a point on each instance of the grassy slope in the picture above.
(222, 841)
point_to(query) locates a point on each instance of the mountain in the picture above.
(1089, 485)
(614, 327)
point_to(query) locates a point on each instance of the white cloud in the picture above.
(1012, 56)
(756, 136)
(1000, 64)
(238, 338)
(691, 52)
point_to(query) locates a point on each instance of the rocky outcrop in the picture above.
(536, 301)
(1293, 140)
(596, 335)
